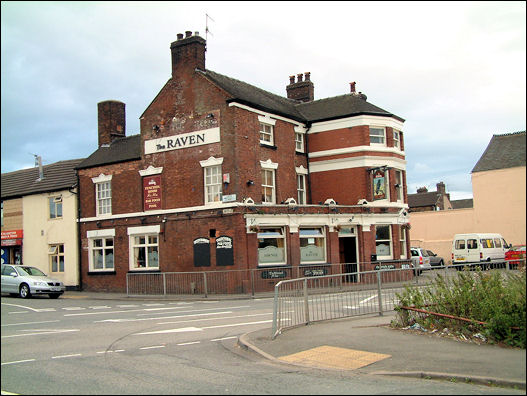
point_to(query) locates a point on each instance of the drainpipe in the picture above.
(79, 240)
(308, 171)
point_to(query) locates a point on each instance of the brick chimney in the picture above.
(188, 53)
(441, 188)
(303, 91)
(111, 121)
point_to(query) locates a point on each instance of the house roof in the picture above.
(317, 110)
(504, 151)
(462, 203)
(120, 150)
(57, 176)
(423, 199)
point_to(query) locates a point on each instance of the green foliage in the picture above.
(494, 297)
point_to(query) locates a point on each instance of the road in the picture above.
(89, 346)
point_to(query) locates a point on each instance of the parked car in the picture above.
(515, 255)
(23, 281)
(435, 260)
(420, 260)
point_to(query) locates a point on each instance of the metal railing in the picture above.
(305, 300)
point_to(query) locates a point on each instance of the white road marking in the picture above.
(180, 330)
(19, 361)
(39, 333)
(117, 350)
(18, 312)
(21, 306)
(153, 347)
(144, 309)
(73, 308)
(100, 307)
(224, 317)
(28, 323)
(224, 338)
(46, 310)
(237, 324)
(66, 356)
(127, 305)
(162, 317)
(153, 305)
(189, 343)
(361, 302)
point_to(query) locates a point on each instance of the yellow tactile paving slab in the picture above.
(334, 357)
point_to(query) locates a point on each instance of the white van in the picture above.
(475, 248)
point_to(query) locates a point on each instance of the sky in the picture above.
(455, 71)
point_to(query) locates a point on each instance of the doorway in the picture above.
(348, 257)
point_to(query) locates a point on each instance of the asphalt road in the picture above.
(88, 346)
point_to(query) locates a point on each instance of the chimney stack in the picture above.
(188, 53)
(352, 87)
(111, 121)
(441, 188)
(303, 91)
(422, 190)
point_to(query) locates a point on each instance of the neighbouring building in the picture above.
(39, 220)
(498, 203)
(426, 200)
(227, 176)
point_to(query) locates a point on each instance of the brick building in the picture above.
(227, 176)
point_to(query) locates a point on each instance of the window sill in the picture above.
(101, 272)
(143, 271)
(269, 146)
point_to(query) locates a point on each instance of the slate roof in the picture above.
(57, 176)
(423, 199)
(504, 151)
(462, 203)
(120, 150)
(316, 110)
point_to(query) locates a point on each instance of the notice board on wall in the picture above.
(201, 252)
(224, 251)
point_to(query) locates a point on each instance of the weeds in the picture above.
(495, 298)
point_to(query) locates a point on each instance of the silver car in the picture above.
(23, 281)
(420, 260)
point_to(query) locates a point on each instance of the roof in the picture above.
(317, 110)
(462, 203)
(120, 150)
(504, 151)
(423, 199)
(57, 176)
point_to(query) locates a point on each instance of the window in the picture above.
(102, 254)
(299, 142)
(2, 203)
(396, 139)
(399, 185)
(472, 244)
(402, 242)
(56, 257)
(497, 242)
(268, 188)
(383, 242)
(377, 135)
(271, 246)
(145, 251)
(460, 244)
(266, 134)
(212, 184)
(301, 188)
(104, 198)
(312, 245)
(55, 207)
(487, 243)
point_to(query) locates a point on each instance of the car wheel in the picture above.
(54, 296)
(441, 264)
(24, 291)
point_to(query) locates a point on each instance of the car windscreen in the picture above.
(31, 271)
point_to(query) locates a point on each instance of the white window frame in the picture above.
(268, 168)
(402, 242)
(54, 252)
(397, 141)
(301, 188)
(103, 235)
(146, 232)
(322, 237)
(55, 202)
(103, 205)
(390, 244)
(377, 136)
(300, 133)
(211, 189)
(399, 186)
(266, 122)
(261, 235)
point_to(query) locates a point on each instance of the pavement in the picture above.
(368, 344)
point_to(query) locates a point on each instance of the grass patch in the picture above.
(493, 297)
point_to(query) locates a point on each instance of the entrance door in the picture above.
(348, 256)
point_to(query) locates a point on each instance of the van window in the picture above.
(472, 244)
(497, 242)
(487, 243)
(460, 244)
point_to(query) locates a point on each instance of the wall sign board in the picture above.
(152, 192)
(224, 251)
(201, 252)
(181, 141)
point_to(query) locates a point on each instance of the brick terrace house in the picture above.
(425, 200)
(228, 176)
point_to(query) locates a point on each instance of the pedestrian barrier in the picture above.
(306, 300)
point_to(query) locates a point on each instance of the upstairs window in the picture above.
(396, 139)
(301, 188)
(377, 135)
(299, 142)
(268, 187)
(55, 207)
(266, 134)
(212, 184)
(399, 185)
(104, 198)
